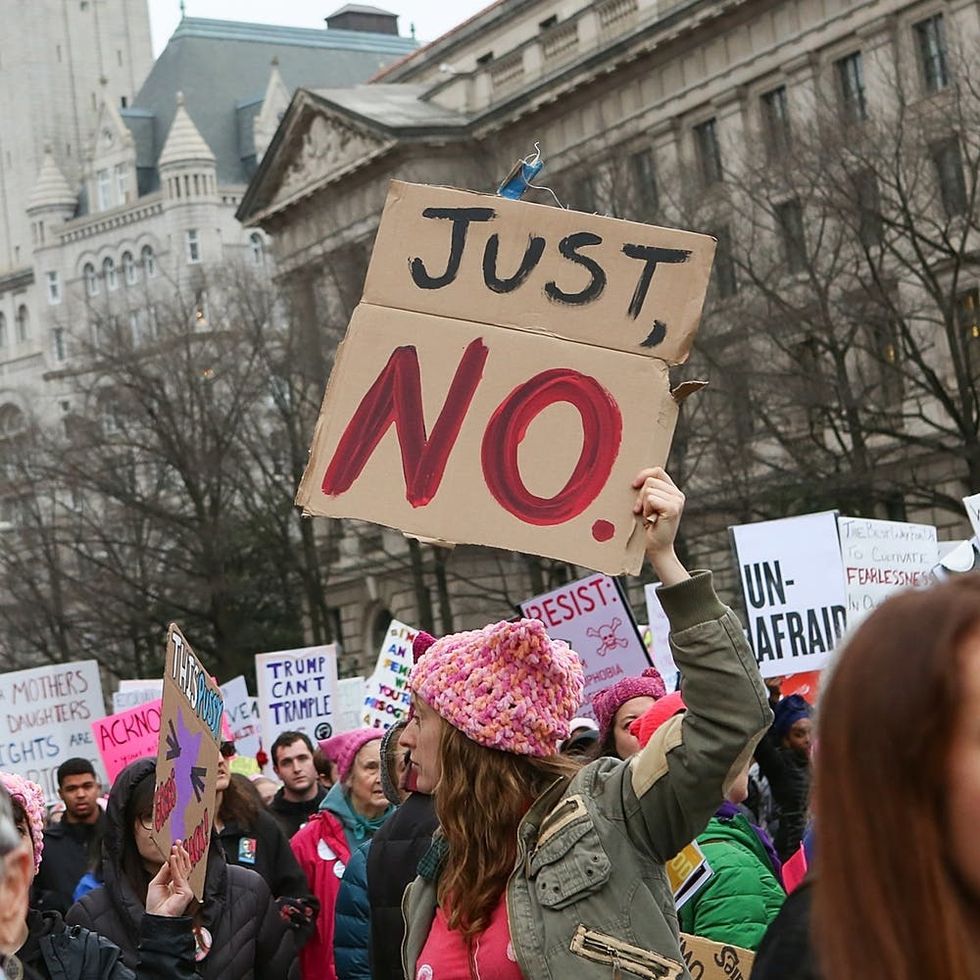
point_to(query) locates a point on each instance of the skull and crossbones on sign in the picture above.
(606, 635)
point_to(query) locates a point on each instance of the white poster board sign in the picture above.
(45, 715)
(592, 617)
(972, 505)
(132, 692)
(243, 717)
(659, 626)
(350, 703)
(793, 583)
(386, 697)
(297, 692)
(882, 557)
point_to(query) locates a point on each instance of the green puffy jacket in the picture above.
(742, 896)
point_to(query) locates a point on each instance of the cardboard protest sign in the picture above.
(793, 584)
(187, 756)
(242, 713)
(297, 691)
(351, 692)
(659, 626)
(44, 719)
(687, 872)
(125, 736)
(505, 375)
(972, 505)
(594, 619)
(881, 557)
(708, 960)
(386, 698)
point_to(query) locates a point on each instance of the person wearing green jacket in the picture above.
(744, 893)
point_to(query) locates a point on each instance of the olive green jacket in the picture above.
(589, 895)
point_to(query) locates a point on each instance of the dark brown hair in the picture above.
(481, 798)
(887, 902)
(139, 806)
(240, 802)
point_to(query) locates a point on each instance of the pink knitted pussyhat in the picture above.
(508, 686)
(31, 797)
(609, 700)
(343, 748)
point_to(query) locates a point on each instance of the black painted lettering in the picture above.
(461, 218)
(568, 247)
(651, 256)
(532, 256)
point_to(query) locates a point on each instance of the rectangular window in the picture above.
(868, 199)
(643, 177)
(886, 338)
(709, 152)
(724, 268)
(930, 35)
(193, 247)
(948, 161)
(968, 312)
(850, 81)
(122, 183)
(775, 120)
(104, 190)
(58, 343)
(789, 217)
(54, 288)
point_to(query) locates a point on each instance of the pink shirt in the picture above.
(445, 955)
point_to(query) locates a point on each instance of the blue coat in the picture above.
(352, 920)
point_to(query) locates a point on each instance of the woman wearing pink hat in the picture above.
(350, 814)
(543, 868)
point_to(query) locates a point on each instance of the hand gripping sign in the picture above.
(505, 375)
(187, 757)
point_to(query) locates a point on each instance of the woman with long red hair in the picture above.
(544, 868)
(897, 888)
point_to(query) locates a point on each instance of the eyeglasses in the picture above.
(146, 822)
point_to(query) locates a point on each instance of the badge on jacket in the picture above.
(246, 850)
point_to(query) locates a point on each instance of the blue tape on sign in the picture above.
(516, 182)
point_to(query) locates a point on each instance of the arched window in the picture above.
(130, 273)
(3, 330)
(23, 323)
(91, 279)
(109, 272)
(149, 261)
(11, 421)
(256, 248)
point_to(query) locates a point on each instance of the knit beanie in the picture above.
(508, 686)
(31, 797)
(610, 699)
(421, 643)
(342, 748)
(643, 728)
(788, 712)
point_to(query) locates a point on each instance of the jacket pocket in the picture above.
(570, 865)
(624, 958)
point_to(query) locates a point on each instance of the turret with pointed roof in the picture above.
(188, 169)
(51, 194)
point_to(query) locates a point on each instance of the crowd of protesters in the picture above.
(494, 834)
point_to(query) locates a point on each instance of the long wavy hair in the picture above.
(888, 902)
(481, 797)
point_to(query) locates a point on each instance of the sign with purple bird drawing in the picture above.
(187, 757)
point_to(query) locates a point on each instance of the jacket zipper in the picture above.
(623, 956)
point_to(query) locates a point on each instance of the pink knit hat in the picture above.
(31, 797)
(609, 700)
(508, 686)
(342, 748)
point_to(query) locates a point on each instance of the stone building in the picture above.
(639, 88)
(138, 190)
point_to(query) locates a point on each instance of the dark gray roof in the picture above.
(222, 67)
(360, 8)
(398, 107)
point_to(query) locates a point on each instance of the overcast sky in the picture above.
(431, 17)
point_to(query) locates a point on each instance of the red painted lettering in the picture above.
(602, 427)
(396, 398)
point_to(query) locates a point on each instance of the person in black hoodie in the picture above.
(238, 931)
(42, 947)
